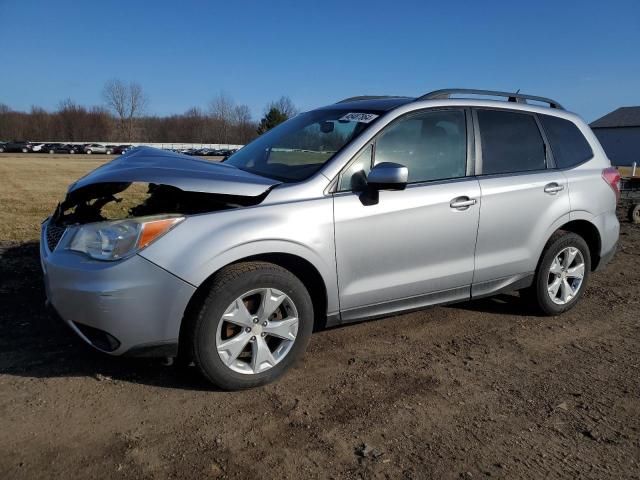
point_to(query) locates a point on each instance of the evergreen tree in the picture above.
(271, 119)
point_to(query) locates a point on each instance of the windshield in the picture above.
(299, 147)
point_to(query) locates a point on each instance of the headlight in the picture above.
(121, 238)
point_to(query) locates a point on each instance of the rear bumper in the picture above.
(126, 307)
(609, 228)
(606, 257)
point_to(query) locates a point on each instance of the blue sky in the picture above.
(586, 54)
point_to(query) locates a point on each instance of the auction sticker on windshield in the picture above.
(359, 117)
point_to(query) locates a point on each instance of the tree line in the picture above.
(123, 118)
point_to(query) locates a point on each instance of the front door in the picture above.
(410, 248)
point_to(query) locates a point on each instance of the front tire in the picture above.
(562, 274)
(89, 152)
(252, 327)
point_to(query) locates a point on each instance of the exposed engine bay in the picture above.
(120, 200)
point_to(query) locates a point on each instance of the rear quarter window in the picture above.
(568, 145)
(511, 142)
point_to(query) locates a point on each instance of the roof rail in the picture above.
(512, 97)
(369, 97)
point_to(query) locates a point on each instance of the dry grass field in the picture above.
(475, 390)
(31, 187)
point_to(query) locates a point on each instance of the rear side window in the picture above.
(511, 142)
(568, 145)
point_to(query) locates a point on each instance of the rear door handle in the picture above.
(553, 188)
(462, 203)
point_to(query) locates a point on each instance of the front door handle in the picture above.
(553, 188)
(462, 203)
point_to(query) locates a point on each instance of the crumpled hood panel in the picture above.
(152, 165)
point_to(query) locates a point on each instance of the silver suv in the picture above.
(364, 208)
(97, 148)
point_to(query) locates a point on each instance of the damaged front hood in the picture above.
(151, 165)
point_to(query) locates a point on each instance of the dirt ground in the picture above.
(475, 390)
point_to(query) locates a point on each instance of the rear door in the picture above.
(405, 249)
(522, 197)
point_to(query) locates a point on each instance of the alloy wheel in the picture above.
(257, 331)
(565, 275)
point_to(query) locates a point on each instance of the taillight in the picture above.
(611, 175)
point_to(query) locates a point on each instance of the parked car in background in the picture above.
(228, 153)
(120, 149)
(16, 147)
(48, 148)
(96, 148)
(64, 148)
(37, 147)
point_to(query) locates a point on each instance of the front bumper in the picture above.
(138, 305)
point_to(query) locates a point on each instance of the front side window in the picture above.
(299, 147)
(568, 145)
(511, 142)
(431, 144)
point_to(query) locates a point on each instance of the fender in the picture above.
(203, 244)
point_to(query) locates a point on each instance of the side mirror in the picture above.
(388, 176)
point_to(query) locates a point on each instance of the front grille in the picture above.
(54, 234)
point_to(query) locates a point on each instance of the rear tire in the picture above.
(227, 298)
(634, 213)
(557, 286)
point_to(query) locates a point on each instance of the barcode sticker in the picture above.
(359, 117)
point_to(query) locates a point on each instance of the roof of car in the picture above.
(389, 102)
(622, 117)
(382, 103)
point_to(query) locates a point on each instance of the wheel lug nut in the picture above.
(255, 320)
(263, 334)
(253, 339)
(264, 324)
(248, 329)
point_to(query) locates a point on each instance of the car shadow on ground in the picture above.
(35, 344)
(501, 304)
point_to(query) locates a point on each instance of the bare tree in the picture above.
(221, 109)
(127, 102)
(73, 122)
(70, 117)
(284, 105)
(244, 127)
(196, 123)
(39, 124)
